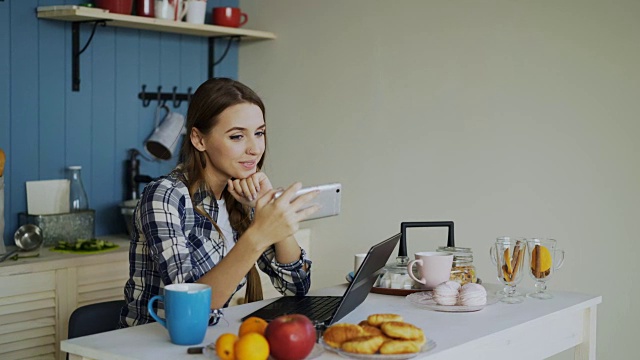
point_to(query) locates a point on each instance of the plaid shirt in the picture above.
(172, 243)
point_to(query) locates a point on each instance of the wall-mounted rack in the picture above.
(162, 98)
(80, 14)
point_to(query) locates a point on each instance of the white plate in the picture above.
(424, 300)
(430, 344)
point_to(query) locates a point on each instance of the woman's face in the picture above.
(235, 144)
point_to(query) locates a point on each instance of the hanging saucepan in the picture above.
(28, 237)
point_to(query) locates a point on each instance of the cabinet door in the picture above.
(89, 284)
(28, 316)
(103, 282)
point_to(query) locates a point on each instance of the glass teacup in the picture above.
(544, 260)
(508, 255)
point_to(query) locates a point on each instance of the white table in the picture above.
(535, 329)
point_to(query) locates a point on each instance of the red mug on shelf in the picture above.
(116, 6)
(229, 16)
(145, 8)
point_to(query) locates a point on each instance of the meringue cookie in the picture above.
(473, 295)
(446, 293)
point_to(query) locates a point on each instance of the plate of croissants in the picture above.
(380, 336)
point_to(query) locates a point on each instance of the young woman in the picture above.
(216, 215)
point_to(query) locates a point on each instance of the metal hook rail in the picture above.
(162, 98)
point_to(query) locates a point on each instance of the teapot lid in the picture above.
(399, 266)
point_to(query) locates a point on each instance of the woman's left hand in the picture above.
(248, 190)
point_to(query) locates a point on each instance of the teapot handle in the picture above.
(402, 251)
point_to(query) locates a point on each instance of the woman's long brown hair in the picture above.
(210, 99)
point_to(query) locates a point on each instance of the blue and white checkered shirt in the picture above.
(172, 243)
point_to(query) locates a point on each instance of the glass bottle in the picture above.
(462, 270)
(77, 196)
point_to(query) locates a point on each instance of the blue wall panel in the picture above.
(127, 116)
(5, 90)
(169, 77)
(45, 127)
(103, 158)
(193, 57)
(151, 45)
(24, 101)
(51, 95)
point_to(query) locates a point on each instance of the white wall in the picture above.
(507, 117)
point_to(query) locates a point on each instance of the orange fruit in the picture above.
(251, 346)
(253, 324)
(224, 346)
(545, 258)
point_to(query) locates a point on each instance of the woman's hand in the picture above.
(278, 218)
(247, 191)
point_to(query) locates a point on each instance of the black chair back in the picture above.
(95, 318)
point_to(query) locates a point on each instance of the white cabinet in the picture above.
(38, 295)
(28, 315)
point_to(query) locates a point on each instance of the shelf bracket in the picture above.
(212, 61)
(76, 51)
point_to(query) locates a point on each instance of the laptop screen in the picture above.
(326, 310)
(366, 277)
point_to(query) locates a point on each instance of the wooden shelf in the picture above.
(79, 14)
(74, 13)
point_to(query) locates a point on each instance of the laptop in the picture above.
(324, 311)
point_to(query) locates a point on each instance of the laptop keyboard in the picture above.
(319, 309)
(316, 307)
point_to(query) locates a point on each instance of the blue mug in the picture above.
(186, 310)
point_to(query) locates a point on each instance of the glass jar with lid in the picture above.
(462, 270)
(395, 276)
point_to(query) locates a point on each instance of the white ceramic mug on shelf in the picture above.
(196, 11)
(170, 9)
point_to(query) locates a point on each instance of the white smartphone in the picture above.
(328, 199)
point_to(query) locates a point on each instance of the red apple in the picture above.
(290, 337)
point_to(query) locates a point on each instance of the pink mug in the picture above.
(229, 16)
(433, 268)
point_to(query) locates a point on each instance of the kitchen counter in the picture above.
(535, 329)
(52, 260)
